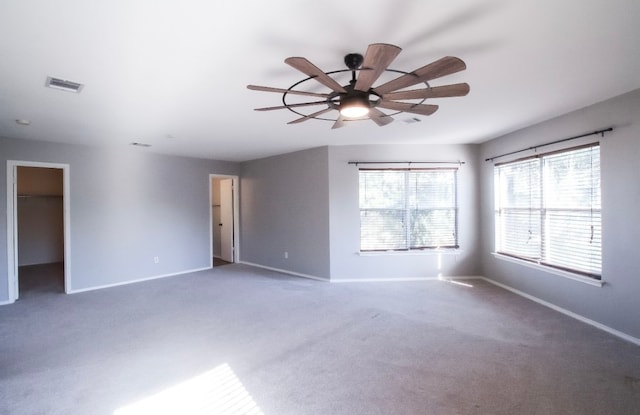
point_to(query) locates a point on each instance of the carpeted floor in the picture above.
(218, 262)
(250, 341)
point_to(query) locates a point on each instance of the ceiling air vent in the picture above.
(63, 85)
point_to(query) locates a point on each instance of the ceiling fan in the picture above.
(360, 100)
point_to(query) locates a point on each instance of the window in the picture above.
(547, 210)
(402, 209)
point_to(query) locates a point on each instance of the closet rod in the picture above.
(606, 130)
(405, 162)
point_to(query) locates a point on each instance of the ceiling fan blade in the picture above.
(310, 116)
(281, 107)
(377, 58)
(437, 69)
(422, 109)
(379, 117)
(286, 91)
(454, 90)
(307, 68)
(339, 122)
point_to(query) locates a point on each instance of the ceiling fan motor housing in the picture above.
(353, 61)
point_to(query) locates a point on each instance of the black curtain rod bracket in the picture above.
(601, 132)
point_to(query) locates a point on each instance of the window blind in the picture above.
(403, 209)
(548, 210)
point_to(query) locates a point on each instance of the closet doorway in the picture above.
(38, 221)
(224, 219)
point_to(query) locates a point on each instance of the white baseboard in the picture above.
(155, 277)
(284, 271)
(401, 279)
(462, 278)
(6, 302)
(352, 280)
(564, 311)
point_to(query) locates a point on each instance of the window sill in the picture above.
(550, 270)
(419, 252)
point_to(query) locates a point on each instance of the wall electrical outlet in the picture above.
(286, 255)
(156, 259)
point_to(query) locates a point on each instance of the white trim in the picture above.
(550, 270)
(418, 252)
(462, 278)
(284, 271)
(551, 148)
(403, 279)
(66, 203)
(12, 222)
(411, 279)
(236, 214)
(210, 186)
(11, 234)
(6, 302)
(155, 277)
(566, 312)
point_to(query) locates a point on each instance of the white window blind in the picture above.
(547, 210)
(405, 209)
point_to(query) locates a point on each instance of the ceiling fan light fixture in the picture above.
(362, 99)
(354, 107)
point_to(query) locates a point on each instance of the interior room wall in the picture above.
(346, 261)
(615, 304)
(285, 208)
(40, 216)
(127, 206)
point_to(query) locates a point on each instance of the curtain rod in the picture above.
(606, 130)
(406, 162)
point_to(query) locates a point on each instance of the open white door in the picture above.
(12, 223)
(12, 231)
(226, 220)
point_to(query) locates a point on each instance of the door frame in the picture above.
(235, 181)
(12, 223)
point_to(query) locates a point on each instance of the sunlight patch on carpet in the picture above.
(218, 391)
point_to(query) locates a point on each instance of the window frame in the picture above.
(544, 211)
(407, 211)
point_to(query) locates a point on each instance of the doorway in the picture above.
(223, 195)
(38, 227)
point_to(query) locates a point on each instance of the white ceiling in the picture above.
(174, 73)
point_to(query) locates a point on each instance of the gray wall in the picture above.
(346, 263)
(285, 208)
(127, 206)
(616, 304)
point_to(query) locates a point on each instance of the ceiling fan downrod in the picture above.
(353, 62)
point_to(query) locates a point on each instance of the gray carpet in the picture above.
(296, 346)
